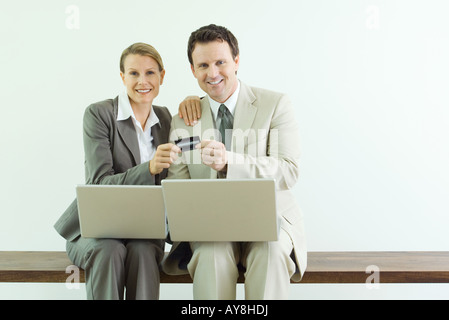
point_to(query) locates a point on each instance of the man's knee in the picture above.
(216, 254)
(212, 249)
(266, 253)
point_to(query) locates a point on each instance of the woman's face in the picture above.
(142, 79)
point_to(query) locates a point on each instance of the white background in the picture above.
(369, 81)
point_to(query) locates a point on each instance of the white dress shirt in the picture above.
(230, 104)
(144, 137)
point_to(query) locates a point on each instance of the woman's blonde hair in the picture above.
(142, 49)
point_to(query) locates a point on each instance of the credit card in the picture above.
(187, 144)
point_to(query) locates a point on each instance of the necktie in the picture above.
(226, 125)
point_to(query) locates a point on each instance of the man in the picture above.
(257, 139)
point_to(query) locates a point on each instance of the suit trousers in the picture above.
(111, 265)
(269, 267)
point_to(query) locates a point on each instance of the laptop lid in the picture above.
(221, 210)
(124, 212)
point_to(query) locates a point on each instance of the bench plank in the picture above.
(323, 267)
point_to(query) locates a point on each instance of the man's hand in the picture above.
(213, 154)
(190, 110)
(165, 155)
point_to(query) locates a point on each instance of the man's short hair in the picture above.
(211, 33)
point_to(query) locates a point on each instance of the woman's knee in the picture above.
(105, 252)
(145, 248)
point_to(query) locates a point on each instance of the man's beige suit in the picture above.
(265, 145)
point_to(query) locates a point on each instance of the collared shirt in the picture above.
(146, 146)
(230, 104)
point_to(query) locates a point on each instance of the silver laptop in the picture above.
(221, 210)
(124, 212)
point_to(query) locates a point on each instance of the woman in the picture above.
(125, 142)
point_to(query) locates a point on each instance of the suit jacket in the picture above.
(265, 145)
(112, 155)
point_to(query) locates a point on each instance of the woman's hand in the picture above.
(165, 155)
(190, 110)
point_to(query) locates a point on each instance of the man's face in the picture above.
(215, 69)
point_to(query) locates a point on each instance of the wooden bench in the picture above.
(323, 267)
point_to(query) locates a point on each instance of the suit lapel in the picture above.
(207, 121)
(206, 124)
(129, 137)
(128, 134)
(155, 131)
(158, 131)
(245, 111)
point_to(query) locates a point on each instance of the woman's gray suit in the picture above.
(112, 157)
